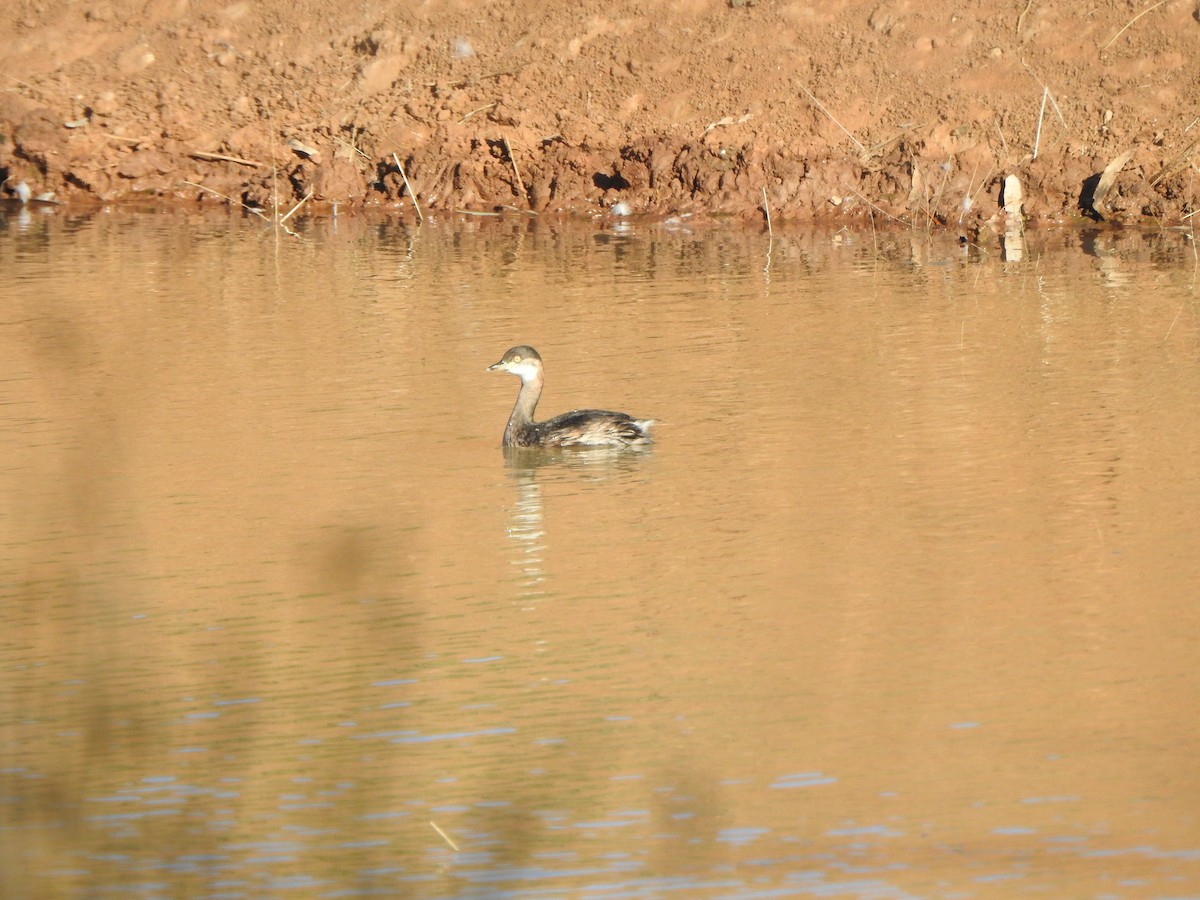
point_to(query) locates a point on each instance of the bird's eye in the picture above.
(516, 359)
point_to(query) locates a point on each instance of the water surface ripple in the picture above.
(902, 604)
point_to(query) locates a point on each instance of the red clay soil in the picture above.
(912, 109)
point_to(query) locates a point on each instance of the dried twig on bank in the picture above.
(877, 149)
(476, 110)
(221, 157)
(299, 204)
(1130, 22)
(1177, 163)
(1021, 17)
(512, 159)
(1037, 140)
(250, 209)
(821, 107)
(877, 209)
(408, 187)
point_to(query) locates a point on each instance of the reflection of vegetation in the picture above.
(189, 636)
(146, 742)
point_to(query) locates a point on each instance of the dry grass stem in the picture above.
(257, 212)
(770, 236)
(353, 148)
(1003, 142)
(445, 837)
(1045, 87)
(1178, 313)
(517, 172)
(937, 198)
(1037, 140)
(728, 120)
(221, 157)
(1054, 105)
(467, 82)
(877, 149)
(878, 210)
(982, 184)
(1021, 17)
(821, 107)
(1177, 163)
(968, 197)
(1130, 22)
(472, 112)
(299, 204)
(408, 187)
(245, 206)
(135, 141)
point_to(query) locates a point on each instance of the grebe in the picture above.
(579, 428)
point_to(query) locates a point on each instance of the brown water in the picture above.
(905, 602)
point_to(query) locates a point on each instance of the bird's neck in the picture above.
(527, 400)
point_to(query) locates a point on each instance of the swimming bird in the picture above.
(578, 428)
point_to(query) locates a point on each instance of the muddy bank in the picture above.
(846, 110)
